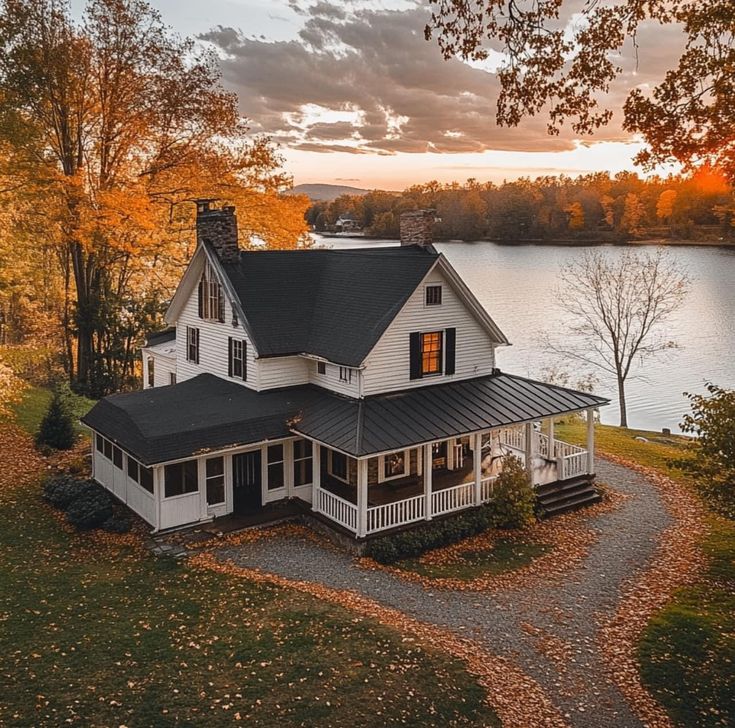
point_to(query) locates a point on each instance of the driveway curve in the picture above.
(549, 630)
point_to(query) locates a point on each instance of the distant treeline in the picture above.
(591, 207)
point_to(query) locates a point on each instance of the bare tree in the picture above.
(616, 308)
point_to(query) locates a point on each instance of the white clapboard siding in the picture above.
(387, 366)
(282, 371)
(213, 345)
(163, 368)
(330, 379)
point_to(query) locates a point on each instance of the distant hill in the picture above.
(319, 192)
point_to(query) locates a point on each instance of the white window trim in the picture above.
(433, 305)
(346, 479)
(192, 332)
(382, 478)
(442, 358)
(222, 475)
(240, 359)
(348, 376)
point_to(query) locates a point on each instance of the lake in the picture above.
(516, 285)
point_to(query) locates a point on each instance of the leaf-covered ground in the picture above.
(498, 556)
(687, 651)
(95, 631)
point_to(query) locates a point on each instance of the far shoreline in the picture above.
(550, 242)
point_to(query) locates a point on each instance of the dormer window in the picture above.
(211, 298)
(433, 295)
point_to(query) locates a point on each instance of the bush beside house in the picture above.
(87, 504)
(57, 427)
(512, 507)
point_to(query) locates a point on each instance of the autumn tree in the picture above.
(712, 462)
(118, 125)
(665, 205)
(551, 67)
(633, 213)
(616, 309)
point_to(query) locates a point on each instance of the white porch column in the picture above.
(450, 454)
(316, 476)
(362, 485)
(477, 463)
(427, 481)
(552, 442)
(158, 486)
(590, 440)
(529, 449)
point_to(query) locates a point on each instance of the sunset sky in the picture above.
(355, 95)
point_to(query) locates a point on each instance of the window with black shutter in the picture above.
(450, 347)
(237, 366)
(192, 344)
(431, 353)
(151, 371)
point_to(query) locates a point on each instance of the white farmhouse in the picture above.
(360, 386)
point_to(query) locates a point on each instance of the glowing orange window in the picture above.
(431, 352)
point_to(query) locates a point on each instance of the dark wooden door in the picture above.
(246, 482)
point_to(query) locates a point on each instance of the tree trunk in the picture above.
(84, 320)
(621, 402)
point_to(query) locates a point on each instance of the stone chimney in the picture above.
(417, 227)
(218, 227)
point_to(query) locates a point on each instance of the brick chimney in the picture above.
(417, 227)
(218, 227)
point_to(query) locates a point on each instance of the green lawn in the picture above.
(98, 634)
(505, 554)
(35, 401)
(621, 442)
(687, 654)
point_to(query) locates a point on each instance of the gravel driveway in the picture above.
(549, 631)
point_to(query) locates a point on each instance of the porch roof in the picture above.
(403, 419)
(207, 413)
(198, 415)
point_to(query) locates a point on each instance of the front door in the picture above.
(246, 481)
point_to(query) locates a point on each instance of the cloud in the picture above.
(372, 66)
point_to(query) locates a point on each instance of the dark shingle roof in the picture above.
(199, 414)
(209, 413)
(161, 337)
(331, 303)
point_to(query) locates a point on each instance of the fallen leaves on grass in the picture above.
(677, 562)
(567, 536)
(519, 701)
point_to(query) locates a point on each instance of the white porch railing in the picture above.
(571, 461)
(514, 437)
(572, 465)
(452, 499)
(336, 508)
(390, 515)
(487, 488)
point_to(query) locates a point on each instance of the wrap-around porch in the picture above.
(393, 489)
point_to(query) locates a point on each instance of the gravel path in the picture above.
(549, 631)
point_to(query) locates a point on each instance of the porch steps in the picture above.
(568, 495)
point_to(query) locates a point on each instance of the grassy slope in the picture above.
(103, 634)
(35, 401)
(687, 653)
